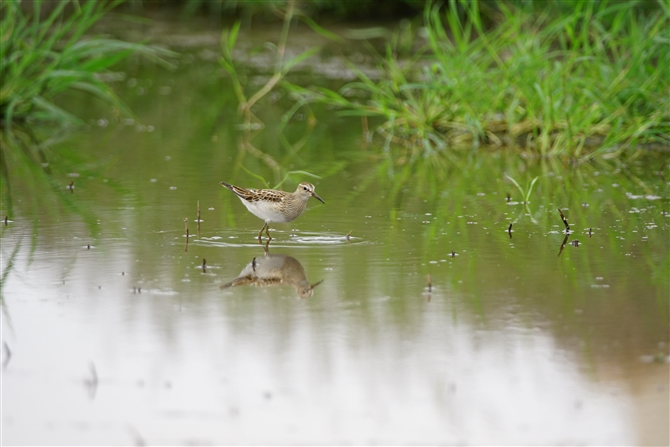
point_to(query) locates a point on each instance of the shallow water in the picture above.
(432, 324)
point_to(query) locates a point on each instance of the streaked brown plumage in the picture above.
(275, 206)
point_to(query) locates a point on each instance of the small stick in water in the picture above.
(186, 225)
(430, 288)
(590, 232)
(8, 354)
(509, 197)
(348, 236)
(198, 217)
(92, 383)
(453, 254)
(204, 265)
(565, 241)
(71, 186)
(565, 221)
(6, 220)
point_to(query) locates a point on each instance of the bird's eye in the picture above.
(305, 188)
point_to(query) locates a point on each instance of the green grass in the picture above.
(43, 54)
(46, 51)
(592, 80)
(250, 124)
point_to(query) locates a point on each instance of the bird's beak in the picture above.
(318, 198)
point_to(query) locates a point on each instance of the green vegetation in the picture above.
(45, 52)
(251, 125)
(591, 80)
(43, 55)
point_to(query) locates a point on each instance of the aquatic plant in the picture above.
(591, 80)
(525, 192)
(250, 124)
(44, 54)
(45, 51)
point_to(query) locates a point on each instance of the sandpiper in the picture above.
(275, 206)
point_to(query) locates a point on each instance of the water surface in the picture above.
(432, 324)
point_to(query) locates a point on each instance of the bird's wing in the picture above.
(254, 195)
(268, 195)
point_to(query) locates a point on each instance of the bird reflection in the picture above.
(272, 270)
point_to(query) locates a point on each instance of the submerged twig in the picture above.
(565, 220)
(186, 225)
(565, 241)
(198, 218)
(8, 354)
(429, 287)
(204, 265)
(92, 383)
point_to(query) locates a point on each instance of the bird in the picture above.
(275, 206)
(275, 270)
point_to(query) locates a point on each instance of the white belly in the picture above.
(266, 211)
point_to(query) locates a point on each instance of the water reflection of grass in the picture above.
(592, 197)
(46, 54)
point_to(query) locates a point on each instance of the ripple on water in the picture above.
(301, 239)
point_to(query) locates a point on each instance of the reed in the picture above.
(593, 80)
(44, 54)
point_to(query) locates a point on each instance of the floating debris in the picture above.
(204, 265)
(348, 236)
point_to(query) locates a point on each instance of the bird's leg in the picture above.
(267, 231)
(260, 233)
